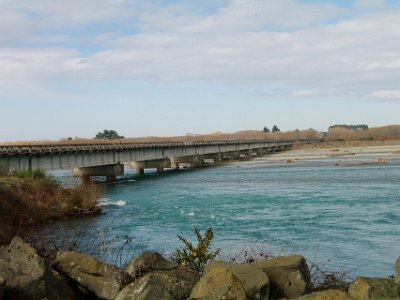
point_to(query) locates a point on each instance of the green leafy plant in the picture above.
(196, 256)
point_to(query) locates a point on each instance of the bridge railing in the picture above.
(37, 149)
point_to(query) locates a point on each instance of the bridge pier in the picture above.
(109, 171)
(193, 161)
(158, 164)
(215, 157)
(231, 155)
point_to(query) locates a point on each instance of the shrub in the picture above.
(322, 278)
(29, 199)
(196, 257)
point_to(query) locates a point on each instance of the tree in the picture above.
(266, 129)
(108, 135)
(275, 129)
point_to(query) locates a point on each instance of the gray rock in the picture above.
(103, 280)
(364, 288)
(289, 276)
(219, 283)
(146, 288)
(147, 262)
(255, 282)
(167, 284)
(397, 276)
(64, 288)
(25, 272)
(2, 287)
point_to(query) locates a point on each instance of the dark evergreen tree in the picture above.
(275, 129)
(108, 135)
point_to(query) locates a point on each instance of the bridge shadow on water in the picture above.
(151, 174)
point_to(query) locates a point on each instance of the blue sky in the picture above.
(72, 68)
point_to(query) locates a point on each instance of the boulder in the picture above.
(363, 288)
(255, 282)
(103, 280)
(397, 276)
(289, 276)
(24, 271)
(66, 288)
(219, 283)
(146, 288)
(179, 282)
(147, 262)
(2, 287)
(327, 295)
(171, 284)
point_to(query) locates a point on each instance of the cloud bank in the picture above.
(309, 48)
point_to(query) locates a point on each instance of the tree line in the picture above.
(350, 127)
(274, 129)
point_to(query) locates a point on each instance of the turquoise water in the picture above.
(348, 215)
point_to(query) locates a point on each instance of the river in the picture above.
(345, 216)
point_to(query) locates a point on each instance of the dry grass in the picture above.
(218, 136)
(29, 201)
(345, 144)
(379, 134)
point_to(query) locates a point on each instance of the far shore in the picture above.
(376, 154)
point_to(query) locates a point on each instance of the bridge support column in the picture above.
(232, 155)
(193, 161)
(215, 157)
(110, 171)
(158, 164)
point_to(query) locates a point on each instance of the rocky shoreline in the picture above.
(26, 275)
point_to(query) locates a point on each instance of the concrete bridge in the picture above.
(109, 159)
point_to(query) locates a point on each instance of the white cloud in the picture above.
(33, 64)
(305, 93)
(389, 95)
(237, 43)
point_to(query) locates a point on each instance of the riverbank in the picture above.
(367, 154)
(148, 276)
(28, 200)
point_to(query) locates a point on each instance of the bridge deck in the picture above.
(42, 149)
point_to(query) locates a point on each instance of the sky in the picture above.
(172, 67)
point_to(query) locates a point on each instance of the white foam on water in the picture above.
(191, 214)
(107, 202)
